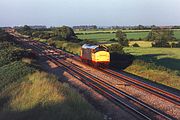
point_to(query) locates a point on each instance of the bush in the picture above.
(59, 44)
(140, 39)
(68, 46)
(6, 53)
(178, 45)
(73, 48)
(160, 43)
(175, 45)
(88, 42)
(116, 48)
(135, 45)
(113, 40)
(13, 72)
(51, 43)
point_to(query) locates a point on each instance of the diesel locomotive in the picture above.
(95, 55)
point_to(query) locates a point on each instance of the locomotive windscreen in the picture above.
(101, 48)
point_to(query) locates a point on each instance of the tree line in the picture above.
(160, 37)
(59, 33)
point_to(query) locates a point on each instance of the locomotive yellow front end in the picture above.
(102, 58)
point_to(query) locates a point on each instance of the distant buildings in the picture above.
(85, 27)
(32, 27)
(38, 27)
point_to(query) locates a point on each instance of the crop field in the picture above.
(107, 35)
(141, 43)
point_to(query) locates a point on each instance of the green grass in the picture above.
(134, 34)
(155, 73)
(160, 52)
(161, 65)
(110, 31)
(42, 97)
(177, 34)
(137, 35)
(108, 36)
(167, 57)
(97, 37)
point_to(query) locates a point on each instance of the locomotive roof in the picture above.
(90, 46)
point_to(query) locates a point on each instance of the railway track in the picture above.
(141, 85)
(144, 86)
(110, 91)
(116, 93)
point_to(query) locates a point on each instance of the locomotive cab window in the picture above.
(101, 48)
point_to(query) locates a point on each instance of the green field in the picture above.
(167, 57)
(107, 35)
(161, 65)
(177, 34)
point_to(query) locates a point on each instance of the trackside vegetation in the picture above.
(161, 65)
(156, 51)
(27, 92)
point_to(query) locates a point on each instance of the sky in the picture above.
(89, 12)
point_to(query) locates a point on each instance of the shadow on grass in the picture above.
(54, 111)
(123, 61)
(3, 101)
(58, 71)
(170, 63)
(120, 61)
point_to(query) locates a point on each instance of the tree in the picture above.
(161, 37)
(160, 34)
(26, 28)
(65, 32)
(141, 27)
(116, 48)
(122, 38)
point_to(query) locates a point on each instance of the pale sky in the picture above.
(89, 12)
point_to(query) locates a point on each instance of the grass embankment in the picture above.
(26, 93)
(41, 96)
(161, 65)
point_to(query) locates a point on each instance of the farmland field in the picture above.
(161, 65)
(167, 57)
(177, 34)
(141, 43)
(107, 35)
